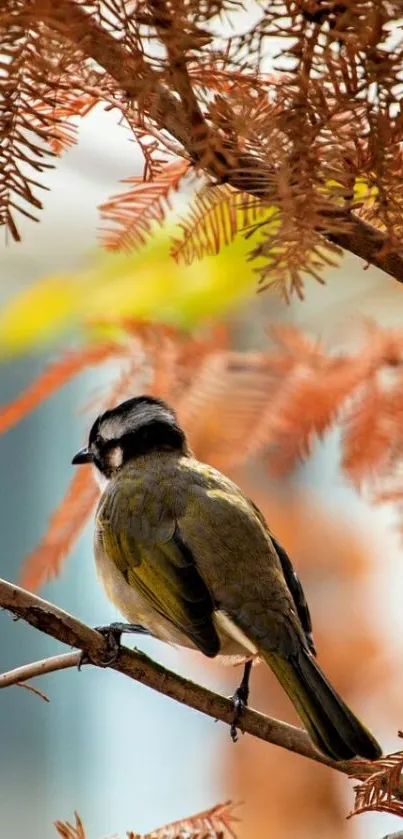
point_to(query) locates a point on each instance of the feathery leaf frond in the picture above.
(135, 211)
(216, 823)
(53, 378)
(70, 831)
(217, 215)
(63, 530)
(73, 104)
(22, 135)
(42, 85)
(381, 790)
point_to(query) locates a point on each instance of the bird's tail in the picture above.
(333, 727)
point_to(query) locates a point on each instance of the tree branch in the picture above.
(39, 668)
(242, 171)
(132, 663)
(370, 244)
(129, 69)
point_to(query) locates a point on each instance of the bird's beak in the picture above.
(83, 456)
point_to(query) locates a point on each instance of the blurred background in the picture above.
(123, 756)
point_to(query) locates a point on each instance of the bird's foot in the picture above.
(134, 628)
(112, 634)
(240, 702)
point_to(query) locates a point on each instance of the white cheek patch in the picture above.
(114, 461)
(115, 457)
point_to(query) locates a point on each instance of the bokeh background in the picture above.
(121, 755)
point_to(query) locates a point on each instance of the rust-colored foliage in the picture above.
(136, 210)
(373, 441)
(296, 140)
(235, 405)
(63, 530)
(53, 378)
(70, 831)
(216, 823)
(213, 221)
(382, 790)
(64, 131)
(38, 98)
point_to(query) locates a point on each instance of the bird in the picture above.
(186, 557)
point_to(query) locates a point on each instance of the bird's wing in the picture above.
(297, 593)
(293, 582)
(145, 544)
(251, 578)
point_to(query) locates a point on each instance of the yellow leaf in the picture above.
(37, 314)
(363, 191)
(159, 289)
(145, 285)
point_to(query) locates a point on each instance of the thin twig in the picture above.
(38, 668)
(200, 132)
(33, 689)
(159, 135)
(68, 629)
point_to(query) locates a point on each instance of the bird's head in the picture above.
(134, 428)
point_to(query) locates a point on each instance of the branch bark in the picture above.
(136, 665)
(242, 171)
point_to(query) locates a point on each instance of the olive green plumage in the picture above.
(333, 727)
(184, 553)
(180, 549)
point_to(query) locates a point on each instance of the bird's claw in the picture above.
(112, 634)
(112, 638)
(83, 659)
(239, 702)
